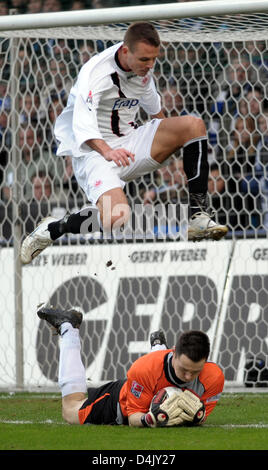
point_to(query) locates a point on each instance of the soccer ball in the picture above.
(165, 393)
(171, 390)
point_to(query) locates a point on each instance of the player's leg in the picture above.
(50, 229)
(174, 133)
(189, 133)
(72, 376)
(112, 212)
(80, 405)
(158, 340)
(71, 405)
(102, 186)
(114, 209)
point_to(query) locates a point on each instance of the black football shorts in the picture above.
(102, 405)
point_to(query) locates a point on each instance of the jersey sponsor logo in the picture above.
(136, 389)
(125, 103)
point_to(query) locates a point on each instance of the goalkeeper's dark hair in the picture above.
(141, 31)
(194, 344)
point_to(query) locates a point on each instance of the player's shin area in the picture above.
(140, 221)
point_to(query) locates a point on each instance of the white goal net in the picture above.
(212, 65)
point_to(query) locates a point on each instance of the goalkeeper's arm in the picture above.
(135, 420)
(166, 414)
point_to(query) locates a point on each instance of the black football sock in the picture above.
(85, 221)
(198, 202)
(195, 163)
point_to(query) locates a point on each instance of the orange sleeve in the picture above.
(212, 379)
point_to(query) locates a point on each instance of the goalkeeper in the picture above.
(137, 400)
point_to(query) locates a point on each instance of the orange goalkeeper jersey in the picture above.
(154, 371)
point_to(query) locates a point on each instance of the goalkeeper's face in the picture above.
(140, 59)
(186, 369)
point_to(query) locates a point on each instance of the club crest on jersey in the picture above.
(136, 389)
(145, 80)
(125, 103)
(89, 100)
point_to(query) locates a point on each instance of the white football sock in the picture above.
(72, 374)
(158, 347)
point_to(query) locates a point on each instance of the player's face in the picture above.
(186, 369)
(141, 59)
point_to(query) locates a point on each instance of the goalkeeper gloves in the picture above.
(174, 411)
(193, 408)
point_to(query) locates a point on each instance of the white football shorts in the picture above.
(95, 175)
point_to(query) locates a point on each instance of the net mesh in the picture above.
(215, 68)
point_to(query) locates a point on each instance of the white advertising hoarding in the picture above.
(125, 291)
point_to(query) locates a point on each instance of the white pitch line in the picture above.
(35, 395)
(47, 421)
(236, 426)
(223, 426)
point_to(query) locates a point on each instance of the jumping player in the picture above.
(129, 401)
(97, 129)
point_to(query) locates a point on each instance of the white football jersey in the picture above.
(103, 104)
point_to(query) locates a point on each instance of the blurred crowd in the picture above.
(224, 83)
(42, 6)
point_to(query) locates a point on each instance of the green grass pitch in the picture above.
(30, 421)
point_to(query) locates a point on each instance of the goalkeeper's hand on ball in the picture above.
(193, 409)
(175, 410)
(163, 411)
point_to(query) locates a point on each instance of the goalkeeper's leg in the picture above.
(72, 375)
(158, 340)
(80, 405)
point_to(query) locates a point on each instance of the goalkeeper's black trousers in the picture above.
(102, 405)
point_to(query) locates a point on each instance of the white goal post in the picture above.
(213, 63)
(244, 18)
